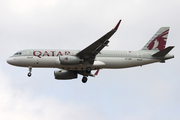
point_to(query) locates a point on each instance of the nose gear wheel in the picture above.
(30, 69)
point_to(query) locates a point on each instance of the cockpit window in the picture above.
(18, 53)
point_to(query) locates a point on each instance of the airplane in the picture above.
(73, 62)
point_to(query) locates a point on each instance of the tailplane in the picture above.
(158, 41)
(163, 52)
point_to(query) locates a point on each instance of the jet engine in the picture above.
(64, 74)
(70, 60)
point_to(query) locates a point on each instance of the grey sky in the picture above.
(148, 92)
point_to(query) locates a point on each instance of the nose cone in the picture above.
(10, 61)
(14, 61)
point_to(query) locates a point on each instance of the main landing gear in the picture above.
(30, 69)
(84, 79)
(88, 71)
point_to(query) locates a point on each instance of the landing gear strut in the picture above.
(88, 71)
(30, 69)
(84, 79)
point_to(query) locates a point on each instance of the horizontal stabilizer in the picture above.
(163, 52)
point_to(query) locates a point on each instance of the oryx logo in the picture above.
(159, 42)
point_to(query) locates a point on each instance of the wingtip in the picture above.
(116, 27)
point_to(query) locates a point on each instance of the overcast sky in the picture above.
(149, 92)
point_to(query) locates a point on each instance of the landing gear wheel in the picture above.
(88, 70)
(84, 79)
(30, 69)
(29, 74)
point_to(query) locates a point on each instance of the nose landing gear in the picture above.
(30, 69)
(29, 74)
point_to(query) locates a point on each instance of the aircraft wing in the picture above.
(89, 53)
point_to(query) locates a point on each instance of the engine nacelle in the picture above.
(70, 60)
(64, 74)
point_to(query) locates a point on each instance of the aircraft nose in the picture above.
(9, 60)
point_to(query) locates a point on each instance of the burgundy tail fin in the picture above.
(158, 41)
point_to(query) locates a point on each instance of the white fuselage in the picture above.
(105, 59)
(74, 62)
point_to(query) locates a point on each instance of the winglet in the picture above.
(116, 27)
(96, 73)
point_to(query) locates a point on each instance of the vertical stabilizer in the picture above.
(158, 41)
